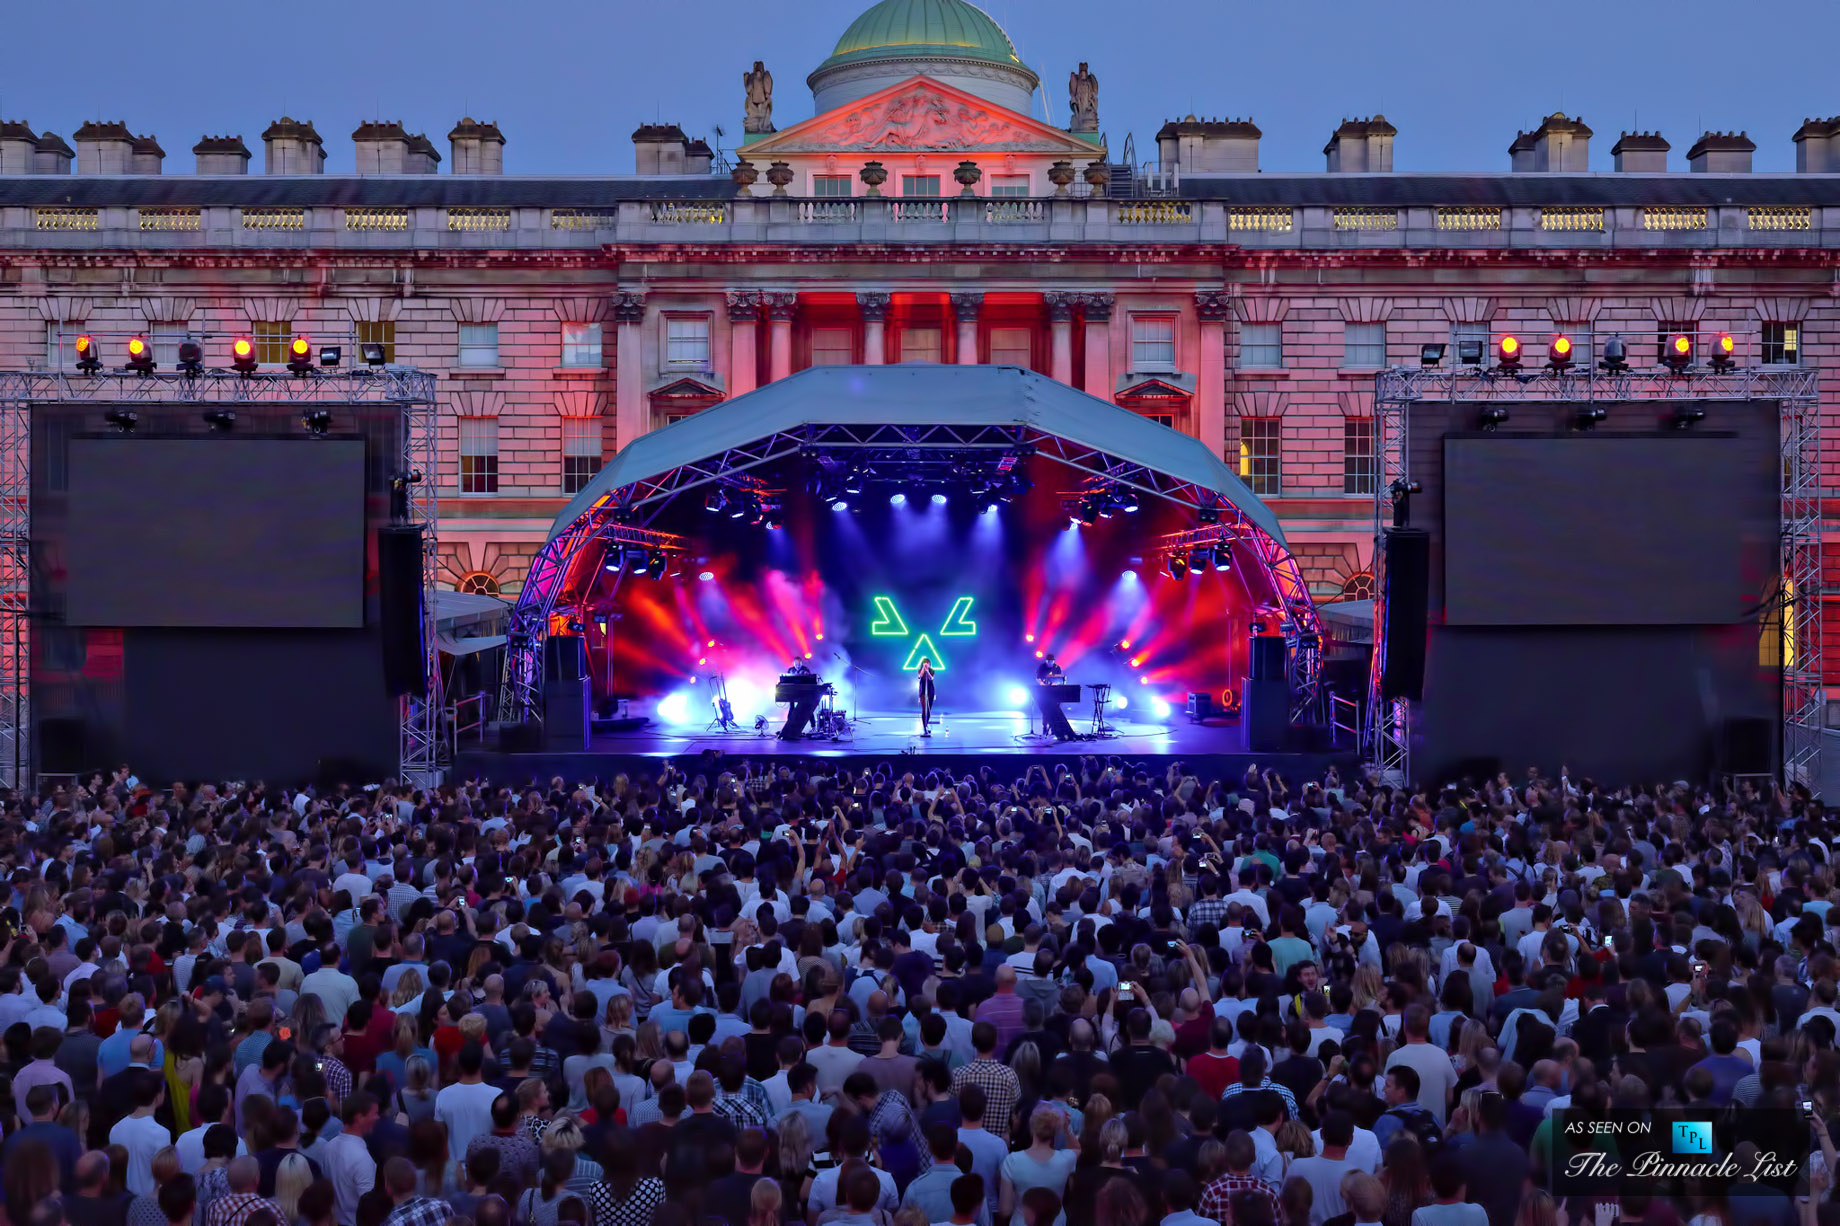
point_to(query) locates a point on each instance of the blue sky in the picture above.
(568, 81)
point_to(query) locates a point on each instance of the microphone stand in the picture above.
(850, 666)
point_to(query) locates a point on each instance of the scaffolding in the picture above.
(1387, 726)
(419, 741)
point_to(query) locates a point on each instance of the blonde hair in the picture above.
(408, 987)
(563, 1133)
(1537, 1208)
(166, 1165)
(292, 1177)
(473, 1027)
(764, 1203)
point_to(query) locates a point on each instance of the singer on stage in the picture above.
(927, 692)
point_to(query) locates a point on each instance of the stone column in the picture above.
(780, 310)
(874, 309)
(1060, 335)
(965, 309)
(631, 414)
(1212, 309)
(1097, 311)
(743, 341)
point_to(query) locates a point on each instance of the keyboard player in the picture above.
(1051, 693)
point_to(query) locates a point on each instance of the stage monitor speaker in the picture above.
(566, 714)
(1408, 593)
(565, 657)
(1267, 715)
(399, 609)
(1200, 705)
(1267, 657)
(1747, 747)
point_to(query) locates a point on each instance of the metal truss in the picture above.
(1387, 730)
(556, 579)
(420, 745)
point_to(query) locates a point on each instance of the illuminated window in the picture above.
(378, 332)
(478, 584)
(919, 344)
(479, 345)
(1363, 346)
(581, 452)
(1012, 347)
(830, 186)
(1261, 346)
(1358, 472)
(1261, 452)
(1153, 342)
(686, 341)
(1782, 344)
(166, 338)
(1009, 185)
(581, 345)
(272, 341)
(478, 455)
(61, 343)
(832, 346)
(919, 185)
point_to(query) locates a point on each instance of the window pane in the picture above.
(919, 344)
(832, 346)
(919, 185)
(1261, 346)
(581, 452)
(1153, 342)
(381, 332)
(61, 343)
(1011, 347)
(1009, 185)
(1364, 346)
(1781, 344)
(581, 345)
(830, 185)
(687, 340)
(166, 338)
(272, 342)
(478, 455)
(479, 344)
(1665, 331)
(1261, 442)
(1474, 335)
(1358, 474)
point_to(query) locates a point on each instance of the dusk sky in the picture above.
(568, 81)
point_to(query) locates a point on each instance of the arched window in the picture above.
(1358, 587)
(478, 583)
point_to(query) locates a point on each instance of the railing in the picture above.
(462, 722)
(920, 210)
(1154, 213)
(1780, 217)
(1272, 220)
(374, 220)
(1572, 218)
(61, 218)
(1345, 715)
(1002, 211)
(1366, 219)
(170, 220)
(1671, 217)
(691, 213)
(583, 219)
(274, 219)
(1465, 217)
(828, 210)
(475, 220)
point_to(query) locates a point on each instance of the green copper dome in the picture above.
(919, 29)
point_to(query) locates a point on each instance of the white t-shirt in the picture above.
(1324, 1175)
(467, 1112)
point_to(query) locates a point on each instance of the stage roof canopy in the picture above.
(922, 394)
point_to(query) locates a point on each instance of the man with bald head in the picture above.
(92, 1205)
(235, 1209)
(400, 1180)
(120, 1093)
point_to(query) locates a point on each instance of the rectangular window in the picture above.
(832, 347)
(919, 344)
(1261, 346)
(1665, 332)
(581, 452)
(1009, 185)
(1261, 453)
(830, 186)
(1470, 345)
(581, 345)
(478, 453)
(686, 342)
(1583, 351)
(272, 342)
(379, 332)
(1782, 344)
(1363, 346)
(166, 338)
(1153, 342)
(479, 345)
(1358, 471)
(1012, 347)
(61, 343)
(919, 185)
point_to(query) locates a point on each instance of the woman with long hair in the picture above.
(409, 986)
(416, 1097)
(1403, 1175)
(619, 1020)
(564, 1136)
(428, 1151)
(1101, 1162)
(1538, 1208)
(622, 1198)
(796, 1169)
(1040, 1165)
(1120, 1204)
(30, 1176)
(406, 1044)
(292, 1177)
(1294, 1141)
(764, 1204)
(182, 1066)
(538, 1205)
(1295, 1202)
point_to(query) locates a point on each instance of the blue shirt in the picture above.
(112, 1053)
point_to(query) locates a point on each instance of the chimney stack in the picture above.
(660, 149)
(1721, 153)
(1559, 145)
(1640, 153)
(698, 157)
(18, 147)
(53, 156)
(104, 148)
(145, 156)
(1208, 146)
(222, 155)
(292, 147)
(387, 149)
(1817, 146)
(476, 148)
(1361, 146)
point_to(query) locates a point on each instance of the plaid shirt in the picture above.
(739, 1110)
(338, 1080)
(419, 1211)
(235, 1208)
(891, 1119)
(1207, 911)
(1278, 1088)
(1217, 1198)
(1001, 1091)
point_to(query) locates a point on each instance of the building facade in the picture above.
(921, 214)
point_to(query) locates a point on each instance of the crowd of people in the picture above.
(722, 994)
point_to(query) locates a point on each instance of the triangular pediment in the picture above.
(1141, 387)
(688, 387)
(921, 115)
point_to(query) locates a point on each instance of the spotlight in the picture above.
(1200, 559)
(1677, 354)
(773, 518)
(854, 481)
(300, 355)
(1178, 566)
(1559, 354)
(1686, 415)
(841, 504)
(243, 355)
(1508, 354)
(123, 420)
(1616, 357)
(1587, 416)
(1018, 697)
(1223, 558)
(1089, 511)
(1209, 514)
(1493, 415)
(1128, 502)
(317, 421)
(939, 500)
(329, 355)
(1107, 508)
(738, 507)
(221, 421)
(140, 356)
(897, 499)
(1724, 348)
(372, 353)
(191, 358)
(637, 561)
(87, 361)
(1430, 356)
(715, 500)
(1469, 353)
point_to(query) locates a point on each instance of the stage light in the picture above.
(939, 500)
(1137, 661)
(773, 518)
(317, 421)
(1724, 349)
(897, 499)
(1178, 566)
(1089, 511)
(841, 504)
(1493, 415)
(1469, 353)
(705, 576)
(854, 481)
(710, 643)
(1686, 415)
(372, 353)
(1587, 416)
(1559, 353)
(1028, 638)
(702, 660)
(300, 356)
(1128, 502)
(1677, 354)
(1209, 514)
(1018, 697)
(715, 500)
(140, 356)
(1508, 354)
(674, 708)
(1161, 709)
(1121, 702)
(329, 355)
(87, 361)
(221, 421)
(1039, 655)
(1223, 557)
(243, 355)
(1199, 560)
(1616, 356)
(655, 565)
(123, 420)
(1124, 644)
(1430, 356)
(738, 507)
(818, 637)
(1144, 680)
(191, 358)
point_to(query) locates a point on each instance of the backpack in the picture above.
(1421, 1124)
